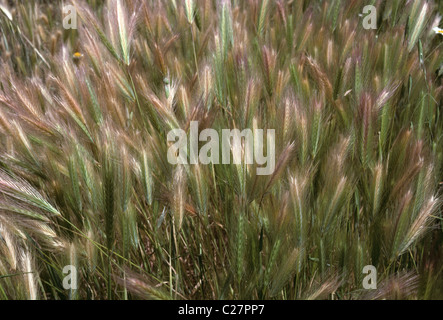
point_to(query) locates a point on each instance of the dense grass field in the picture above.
(85, 179)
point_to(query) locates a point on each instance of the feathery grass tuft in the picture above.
(85, 179)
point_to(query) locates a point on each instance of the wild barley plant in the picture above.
(84, 175)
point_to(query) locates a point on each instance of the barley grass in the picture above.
(84, 175)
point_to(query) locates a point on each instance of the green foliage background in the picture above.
(84, 176)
